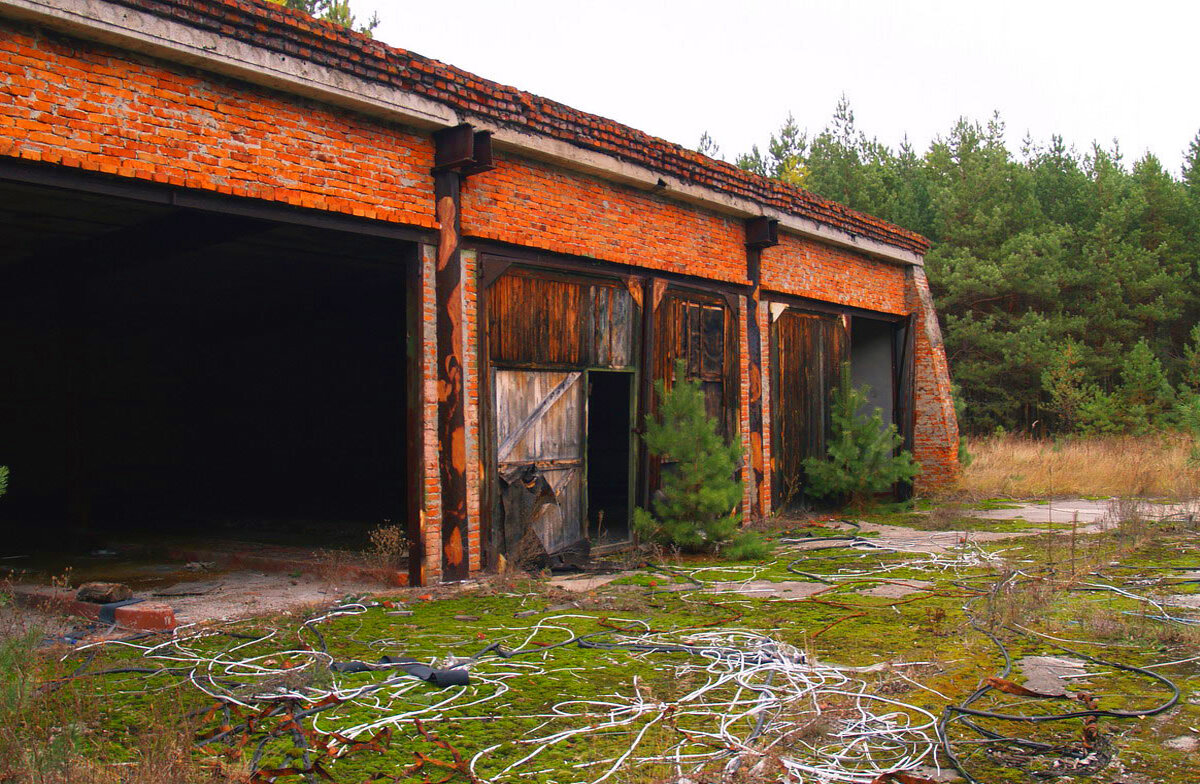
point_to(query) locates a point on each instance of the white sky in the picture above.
(1087, 70)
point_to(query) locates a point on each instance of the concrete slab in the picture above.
(582, 583)
(1060, 511)
(897, 589)
(1051, 674)
(1189, 600)
(765, 589)
(1092, 513)
(1183, 743)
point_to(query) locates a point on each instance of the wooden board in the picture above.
(540, 418)
(542, 319)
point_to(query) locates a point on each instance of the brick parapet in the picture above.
(806, 268)
(88, 106)
(280, 31)
(533, 204)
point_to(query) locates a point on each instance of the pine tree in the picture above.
(697, 508)
(1030, 253)
(863, 457)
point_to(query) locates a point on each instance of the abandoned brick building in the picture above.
(259, 268)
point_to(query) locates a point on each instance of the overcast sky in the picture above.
(1086, 70)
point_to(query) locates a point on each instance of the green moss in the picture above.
(845, 627)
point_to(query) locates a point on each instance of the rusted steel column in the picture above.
(458, 152)
(452, 436)
(754, 350)
(760, 233)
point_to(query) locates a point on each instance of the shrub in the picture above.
(3, 480)
(746, 546)
(960, 413)
(863, 457)
(1189, 420)
(696, 508)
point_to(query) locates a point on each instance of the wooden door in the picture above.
(807, 352)
(540, 418)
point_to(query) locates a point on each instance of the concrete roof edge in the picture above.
(176, 41)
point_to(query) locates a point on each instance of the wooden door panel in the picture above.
(807, 351)
(540, 419)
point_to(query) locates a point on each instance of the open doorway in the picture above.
(872, 364)
(609, 449)
(180, 373)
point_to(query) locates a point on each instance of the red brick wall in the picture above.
(471, 405)
(529, 203)
(86, 106)
(806, 268)
(764, 330)
(743, 354)
(431, 520)
(935, 426)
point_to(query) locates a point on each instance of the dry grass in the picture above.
(1022, 467)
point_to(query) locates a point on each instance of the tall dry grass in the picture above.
(1023, 467)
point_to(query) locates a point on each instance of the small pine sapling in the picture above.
(696, 508)
(863, 456)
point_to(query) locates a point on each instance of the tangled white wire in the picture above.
(750, 698)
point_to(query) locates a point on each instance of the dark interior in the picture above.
(608, 445)
(871, 364)
(171, 371)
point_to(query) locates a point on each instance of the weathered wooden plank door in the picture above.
(807, 351)
(540, 422)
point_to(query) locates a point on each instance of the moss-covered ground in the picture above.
(1038, 593)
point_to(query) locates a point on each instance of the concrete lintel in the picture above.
(137, 31)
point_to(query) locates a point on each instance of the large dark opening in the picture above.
(610, 399)
(178, 372)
